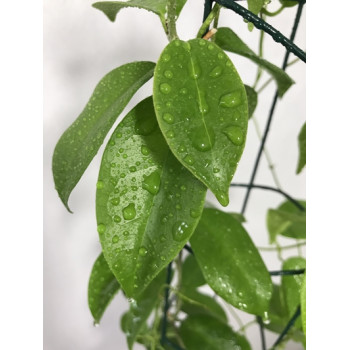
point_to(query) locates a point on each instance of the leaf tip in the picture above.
(222, 198)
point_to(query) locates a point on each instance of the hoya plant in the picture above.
(161, 243)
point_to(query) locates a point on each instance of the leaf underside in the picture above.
(252, 97)
(302, 149)
(147, 203)
(80, 142)
(202, 110)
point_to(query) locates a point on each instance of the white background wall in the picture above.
(80, 46)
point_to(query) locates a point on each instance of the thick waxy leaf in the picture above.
(252, 97)
(303, 304)
(255, 5)
(229, 41)
(202, 110)
(81, 141)
(291, 286)
(302, 149)
(287, 220)
(102, 288)
(147, 203)
(159, 7)
(192, 276)
(230, 262)
(141, 308)
(205, 332)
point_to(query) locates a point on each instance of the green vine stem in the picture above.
(212, 15)
(272, 14)
(171, 20)
(292, 246)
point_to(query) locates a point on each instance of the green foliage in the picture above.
(150, 194)
(202, 110)
(229, 41)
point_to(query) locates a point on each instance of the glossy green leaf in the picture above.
(229, 41)
(141, 308)
(289, 3)
(159, 7)
(81, 141)
(205, 332)
(287, 220)
(303, 304)
(255, 6)
(192, 276)
(196, 303)
(252, 97)
(102, 288)
(147, 203)
(230, 262)
(202, 110)
(291, 285)
(302, 149)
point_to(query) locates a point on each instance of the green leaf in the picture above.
(205, 332)
(102, 288)
(192, 276)
(81, 141)
(252, 97)
(230, 262)
(302, 149)
(202, 110)
(303, 304)
(229, 41)
(141, 308)
(287, 220)
(239, 217)
(255, 6)
(147, 203)
(159, 7)
(196, 303)
(291, 286)
(289, 3)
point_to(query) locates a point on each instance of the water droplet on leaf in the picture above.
(231, 100)
(203, 139)
(168, 74)
(129, 212)
(101, 228)
(168, 118)
(234, 134)
(100, 185)
(151, 183)
(165, 88)
(180, 230)
(143, 251)
(216, 72)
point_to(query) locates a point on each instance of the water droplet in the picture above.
(143, 251)
(145, 126)
(240, 294)
(220, 56)
(118, 135)
(168, 74)
(202, 42)
(166, 57)
(203, 139)
(188, 159)
(168, 104)
(222, 198)
(178, 206)
(121, 150)
(210, 47)
(126, 233)
(170, 134)
(162, 257)
(186, 46)
(164, 219)
(228, 63)
(162, 237)
(181, 149)
(180, 229)
(115, 239)
(115, 201)
(101, 228)
(202, 103)
(183, 91)
(165, 88)
(96, 324)
(195, 213)
(177, 42)
(231, 100)
(100, 185)
(151, 183)
(168, 118)
(194, 69)
(216, 170)
(117, 219)
(266, 318)
(129, 212)
(183, 187)
(216, 72)
(132, 169)
(234, 134)
(145, 150)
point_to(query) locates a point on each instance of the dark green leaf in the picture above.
(287, 220)
(204, 332)
(302, 149)
(159, 7)
(230, 262)
(196, 303)
(291, 286)
(252, 97)
(141, 308)
(81, 141)
(255, 6)
(192, 276)
(303, 304)
(102, 288)
(202, 110)
(147, 203)
(229, 41)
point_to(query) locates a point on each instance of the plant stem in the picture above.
(171, 20)
(261, 53)
(267, 249)
(234, 314)
(245, 326)
(166, 306)
(272, 14)
(262, 334)
(212, 15)
(287, 272)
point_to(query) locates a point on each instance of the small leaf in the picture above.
(229, 41)
(159, 7)
(291, 286)
(102, 288)
(303, 304)
(205, 332)
(202, 110)
(147, 203)
(230, 262)
(81, 141)
(302, 149)
(141, 308)
(287, 220)
(192, 276)
(255, 6)
(252, 97)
